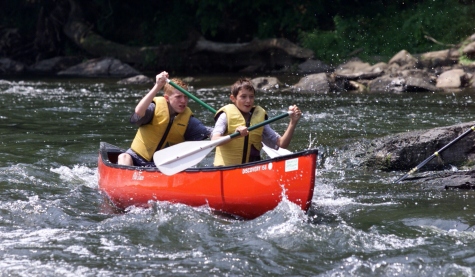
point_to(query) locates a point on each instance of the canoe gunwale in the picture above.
(106, 148)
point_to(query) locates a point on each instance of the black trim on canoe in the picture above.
(109, 154)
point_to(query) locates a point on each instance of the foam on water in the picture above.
(53, 221)
(79, 174)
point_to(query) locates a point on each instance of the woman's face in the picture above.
(244, 100)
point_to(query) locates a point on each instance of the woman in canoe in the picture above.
(237, 117)
(163, 121)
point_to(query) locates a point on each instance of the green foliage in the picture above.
(140, 22)
(325, 44)
(333, 29)
(393, 29)
(19, 14)
(234, 21)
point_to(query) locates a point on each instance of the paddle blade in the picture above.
(179, 165)
(181, 156)
(272, 153)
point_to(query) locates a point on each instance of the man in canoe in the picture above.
(163, 121)
(237, 117)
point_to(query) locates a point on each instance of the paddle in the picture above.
(272, 153)
(269, 151)
(435, 154)
(181, 156)
(191, 96)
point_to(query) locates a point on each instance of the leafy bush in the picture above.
(393, 29)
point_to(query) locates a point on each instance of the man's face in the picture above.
(178, 101)
(244, 100)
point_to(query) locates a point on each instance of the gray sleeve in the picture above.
(139, 121)
(269, 137)
(196, 130)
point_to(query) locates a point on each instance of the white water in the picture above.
(54, 221)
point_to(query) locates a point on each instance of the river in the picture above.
(53, 220)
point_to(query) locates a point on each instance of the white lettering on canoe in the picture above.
(291, 165)
(255, 169)
(137, 176)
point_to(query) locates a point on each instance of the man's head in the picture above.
(242, 95)
(177, 100)
(243, 83)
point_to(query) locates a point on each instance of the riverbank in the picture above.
(447, 70)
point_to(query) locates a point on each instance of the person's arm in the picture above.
(137, 120)
(196, 130)
(160, 81)
(285, 139)
(220, 127)
(270, 137)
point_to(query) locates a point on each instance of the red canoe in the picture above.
(246, 191)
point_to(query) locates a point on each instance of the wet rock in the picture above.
(445, 180)
(454, 78)
(418, 80)
(440, 58)
(137, 80)
(469, 50)
(357, 69)
(11, 67)
(404, 60)
(266, 83)
(318, 83)
(356, 86)
(388, 84)
(53, 65)
(106, 67)
(409, 80)
(405, 151)
(190, 79)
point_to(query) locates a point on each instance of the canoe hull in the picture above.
(246, 191)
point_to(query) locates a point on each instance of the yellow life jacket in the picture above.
(238, 150)
(150, 135)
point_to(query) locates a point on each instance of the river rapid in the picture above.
(55, 222)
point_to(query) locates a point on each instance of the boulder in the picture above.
(454, 78)
(409, 80)
(107, 67)
(266, 83)
(356, 69)
(418, 80)
(445, 179)
(388, 84)
(137, 80)
(11, 67)
(447, 57)
(356, 65)
(357, 86)
(405, 151)
(404, 59)
(318, 83)
(469, 50)
(54, 65)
